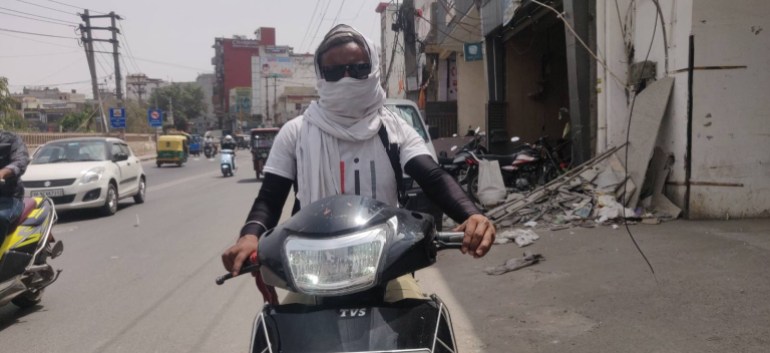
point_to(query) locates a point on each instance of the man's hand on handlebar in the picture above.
(479, 235)
(234, 257)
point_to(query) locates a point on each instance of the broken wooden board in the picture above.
(646, 118)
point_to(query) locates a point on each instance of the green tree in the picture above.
(10, 119)
(78, 121)
(136, 118)
(187, 101)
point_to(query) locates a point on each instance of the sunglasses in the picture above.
(337, 72)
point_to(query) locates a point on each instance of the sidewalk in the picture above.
(594, 292)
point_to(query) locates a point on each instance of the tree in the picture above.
(9, 118)
(187, 101)
(78, 121)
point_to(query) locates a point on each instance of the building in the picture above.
(208, 119)
(273, 73)
(139, 87)
(43, 108)
(232, 67)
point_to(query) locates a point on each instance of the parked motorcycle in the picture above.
(528, 166)
(24, 254)
(227, 162)
(343, 250)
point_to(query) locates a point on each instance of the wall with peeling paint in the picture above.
(731, 114)
(731, 109)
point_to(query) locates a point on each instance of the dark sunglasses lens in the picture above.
(360, 71)
(334, 73)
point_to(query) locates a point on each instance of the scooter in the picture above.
(227, 162)
(24, 268)
(343, 250)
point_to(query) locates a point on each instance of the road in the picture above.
(143, 279)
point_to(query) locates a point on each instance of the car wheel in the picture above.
(139, 197)
(111, 202)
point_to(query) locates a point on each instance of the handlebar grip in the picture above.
(250, 265)
(449, 240)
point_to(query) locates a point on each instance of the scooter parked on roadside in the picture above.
(227, 162)
(343, 250)
(24, 254)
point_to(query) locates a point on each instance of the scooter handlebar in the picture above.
(250, 265)
(449, 240)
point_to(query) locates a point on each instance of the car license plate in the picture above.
(49, 193)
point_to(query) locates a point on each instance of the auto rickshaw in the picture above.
(196, 145)
(172, 149)
(261, 140)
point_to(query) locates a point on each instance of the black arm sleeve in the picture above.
(268, 205)
(441, 188)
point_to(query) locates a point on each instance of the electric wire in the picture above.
(628, 137)
(663, 29)
(44, 17)
(35, 19)
(76, 7)
(42, 54)
(130, 53)
(339, 10)
(46, 7)
(628, 129)
(310, 24)
(35, 40)
(35, 34)
(323, 17)
(560, 16)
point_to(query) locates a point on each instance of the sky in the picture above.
(166, 39)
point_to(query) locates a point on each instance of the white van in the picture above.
(409, 111)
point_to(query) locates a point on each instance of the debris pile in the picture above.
(602, 190)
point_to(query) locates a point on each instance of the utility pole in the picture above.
(116, 58)
(267, 99)
(171, 111)
(410, 52)
(275, 98)
(88, 39)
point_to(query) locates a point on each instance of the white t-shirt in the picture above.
(364, 166)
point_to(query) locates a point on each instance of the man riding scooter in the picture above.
(228, 143)
(14, 159)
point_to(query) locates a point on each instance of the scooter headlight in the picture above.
(338, 265)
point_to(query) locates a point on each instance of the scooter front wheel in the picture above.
(28, 299)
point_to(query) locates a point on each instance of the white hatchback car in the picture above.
(90, 172)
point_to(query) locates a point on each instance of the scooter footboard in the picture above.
(408, 326)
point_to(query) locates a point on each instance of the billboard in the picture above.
(240, 100)
(277, 67)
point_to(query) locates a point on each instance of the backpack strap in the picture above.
(394, 152)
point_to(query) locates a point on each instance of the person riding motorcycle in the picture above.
(346, 143)
(228, 143)
(14, 159)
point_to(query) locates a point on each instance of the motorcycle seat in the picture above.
(29, 205)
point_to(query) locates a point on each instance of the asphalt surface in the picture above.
(143, 281)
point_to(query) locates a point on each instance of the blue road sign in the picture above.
(118, 118)
(155, 117)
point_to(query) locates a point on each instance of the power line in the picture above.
(76, 7)
(171, 64)
(35, 19)
(55, 84)
(67, 66)
(35, 34)
(46, 7)
(339, 10)
(31, 14)
(310, 24)
(128, 47)
(34, 40)
(319, 23)
(33, 55)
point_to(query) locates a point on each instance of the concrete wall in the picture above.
(471, 94)
(731, 134)
(730, 162)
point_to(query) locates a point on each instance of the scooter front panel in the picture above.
(409, 326)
